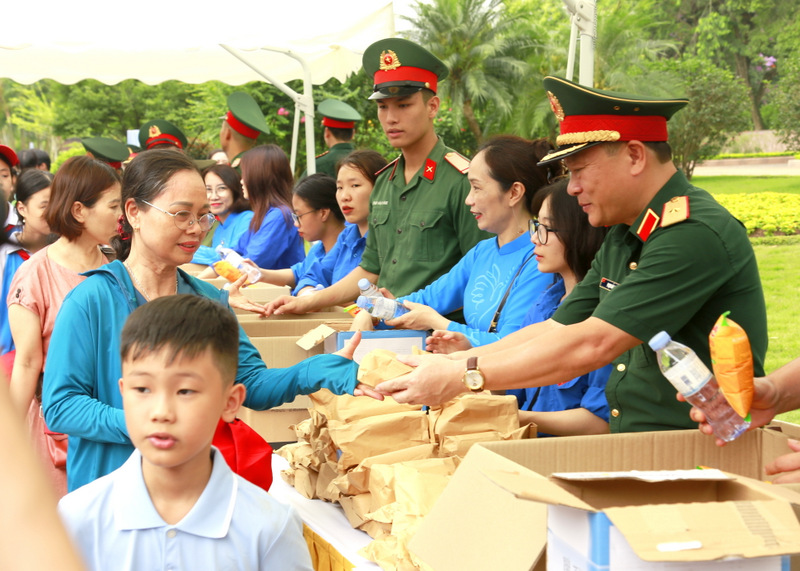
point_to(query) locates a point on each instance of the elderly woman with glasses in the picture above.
(497, 280)
(165, 216)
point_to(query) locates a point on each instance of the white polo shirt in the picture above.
(233, 525)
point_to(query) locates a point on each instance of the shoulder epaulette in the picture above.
(322, 154)
(391, 164)
(459, 161)
(674, 211)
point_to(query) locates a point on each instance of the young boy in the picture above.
(175, 503)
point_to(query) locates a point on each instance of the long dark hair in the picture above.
(513, 159)
(581, 240)
(232, 180)
(319, 191)
(267, 175)
(144, 179)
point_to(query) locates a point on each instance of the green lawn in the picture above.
(747, 184)
(780, 275)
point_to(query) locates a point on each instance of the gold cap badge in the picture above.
(154, 131)
(555, 105)
(389, 61)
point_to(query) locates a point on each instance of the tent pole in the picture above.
(304, 102)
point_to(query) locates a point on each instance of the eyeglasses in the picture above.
(185, 220)
(296, 217)
(539, 230)
(218, 190)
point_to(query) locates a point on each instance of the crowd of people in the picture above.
(540, 270)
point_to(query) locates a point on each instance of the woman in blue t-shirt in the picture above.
(229, 207)
(271, 241)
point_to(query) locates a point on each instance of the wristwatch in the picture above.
(473, 377)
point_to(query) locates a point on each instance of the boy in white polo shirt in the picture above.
(175, 503)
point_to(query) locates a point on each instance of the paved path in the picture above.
(789, 168)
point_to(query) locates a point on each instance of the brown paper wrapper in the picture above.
(356, 481)
(470, 414)
(325, 489)
(367, 437)
(347, 408)
(380, 365)
(356, 508)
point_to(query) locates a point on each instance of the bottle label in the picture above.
(688, 375)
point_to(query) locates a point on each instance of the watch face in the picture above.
(473, 380)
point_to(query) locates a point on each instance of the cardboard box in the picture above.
(401, 341)
(476, 524)
(648, 520)
(286, 326)
(274, 425)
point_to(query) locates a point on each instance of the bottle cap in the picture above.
(659, 340)
(362, 302)
(363, 284)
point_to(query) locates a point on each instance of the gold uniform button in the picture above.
(633, 265)
(621, 367)
(614, 413)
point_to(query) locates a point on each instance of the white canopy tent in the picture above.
(234, 42)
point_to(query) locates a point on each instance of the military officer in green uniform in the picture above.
(107, 150)
(339, 126)
(419, 225)
(241, 126)
(673, 260)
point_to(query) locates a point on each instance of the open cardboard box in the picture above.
(291, 325)
(476, 524)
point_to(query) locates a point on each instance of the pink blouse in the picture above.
(41, 285)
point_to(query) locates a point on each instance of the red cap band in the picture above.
(163, 138)
(115, 164)
(336, 124)
(407, 73)
(629, 127)
(240, 127)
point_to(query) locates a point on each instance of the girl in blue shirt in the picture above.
(318, 220)
(229, 207)
(271, 241)
(356, 174)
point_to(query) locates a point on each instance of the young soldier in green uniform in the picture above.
(241, 126)
(339, 125)
(673, 260)
(419, 225)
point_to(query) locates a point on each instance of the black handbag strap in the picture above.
(496, 318)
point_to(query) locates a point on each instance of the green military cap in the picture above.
(245, 116)
(203, 164)
(106, 150)
(161, 132)
(338, 114)
(400, 67)
(588, 117)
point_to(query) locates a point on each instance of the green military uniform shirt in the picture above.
(680, 278)
(326, 162)
(419, 230)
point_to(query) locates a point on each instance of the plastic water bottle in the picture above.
(368, 289)
(234, 259)
(687, 373)
(381, 307)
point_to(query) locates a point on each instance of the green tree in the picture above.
(717, 109)
(484, 50)
(787, 99)
(740, 35)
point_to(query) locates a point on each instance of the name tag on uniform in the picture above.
(607, 284)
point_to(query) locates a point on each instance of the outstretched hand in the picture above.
(239, 301)
(446, 342)
(287, 304)
(788, 465)
(435, 380)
